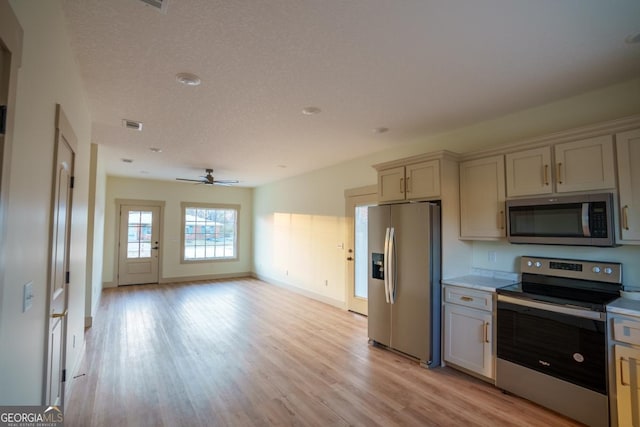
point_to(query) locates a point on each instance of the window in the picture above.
(210, 232)
(139, 234)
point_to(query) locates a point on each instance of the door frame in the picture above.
(64, 134)
(137, 202)
(11, 35)
(355, 197)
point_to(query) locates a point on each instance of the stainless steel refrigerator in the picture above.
(404, 279)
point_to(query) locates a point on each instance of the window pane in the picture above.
(133, 250)
(145, 250)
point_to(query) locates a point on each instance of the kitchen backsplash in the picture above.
(505, 257)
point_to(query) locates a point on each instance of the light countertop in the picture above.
(483, 282)
(626, 306)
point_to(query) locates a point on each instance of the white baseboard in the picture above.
(310, 294)
(203, 277)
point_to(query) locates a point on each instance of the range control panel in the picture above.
(610, 272)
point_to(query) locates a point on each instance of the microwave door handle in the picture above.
(586, 231)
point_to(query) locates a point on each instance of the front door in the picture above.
(139, 244)
(59, 266)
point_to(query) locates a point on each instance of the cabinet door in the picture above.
(468, 339)
(585, 165)
(628, 147)
(391, 185)
(529, 172)
(627, 385)
(482, 196)
(423, 180)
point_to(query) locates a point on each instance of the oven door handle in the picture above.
(588, 314)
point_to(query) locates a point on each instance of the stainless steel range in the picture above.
(551, 335)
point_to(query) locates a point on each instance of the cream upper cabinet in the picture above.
(414, 181)
(529, 172)
(585, 165)
(628, 149)
(482, 197)
(391, 185)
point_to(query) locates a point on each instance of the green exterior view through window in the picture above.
(210, 232)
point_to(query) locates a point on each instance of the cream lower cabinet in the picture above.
(628, 150)
(468, 330)
(626, 357)
(482, 199)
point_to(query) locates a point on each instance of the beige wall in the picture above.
(49, 75)
(173, 193)
(320, 194)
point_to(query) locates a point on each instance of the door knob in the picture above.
(59, 315)
(156, 247)
(350, 258)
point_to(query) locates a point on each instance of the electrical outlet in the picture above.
(326, 282)
(492, 256)
(27, 296)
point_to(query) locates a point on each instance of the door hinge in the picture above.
(64, 375)
(3, 119)
(67, 278)
(73, 180)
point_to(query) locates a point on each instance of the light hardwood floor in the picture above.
(242, 352)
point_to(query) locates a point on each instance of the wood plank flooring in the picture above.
(245, 353)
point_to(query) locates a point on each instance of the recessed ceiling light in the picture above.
(155, 150)
(127, 160)
(310, 111)
(633, 38)
(381, 130)
(188, 79)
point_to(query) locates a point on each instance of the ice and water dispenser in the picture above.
(377, 266)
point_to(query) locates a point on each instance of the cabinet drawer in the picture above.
(626, 330)
(468, 297)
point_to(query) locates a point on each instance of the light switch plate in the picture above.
(27, 296)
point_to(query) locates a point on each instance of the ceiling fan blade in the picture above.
(226, 181)
(190, 180)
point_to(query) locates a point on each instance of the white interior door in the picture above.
(59, 265)
(139, 244)
(357, 203)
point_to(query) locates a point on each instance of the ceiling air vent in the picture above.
(132, 124)
(161, 5)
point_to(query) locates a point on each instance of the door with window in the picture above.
(139, 244)
(357, 206)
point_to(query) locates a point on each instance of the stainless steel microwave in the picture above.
(585, 220)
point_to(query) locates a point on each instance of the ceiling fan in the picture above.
(208, 179)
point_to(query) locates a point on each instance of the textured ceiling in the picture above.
(418, 67)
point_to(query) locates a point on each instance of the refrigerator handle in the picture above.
(392, 265)
(385, 265)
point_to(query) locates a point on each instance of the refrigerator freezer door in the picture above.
(379, 317)
(411, 315)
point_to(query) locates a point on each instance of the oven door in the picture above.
(565, 343)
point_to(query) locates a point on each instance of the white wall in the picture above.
(49, 75)
(95, 232)
(320, 193)
(173, 193)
